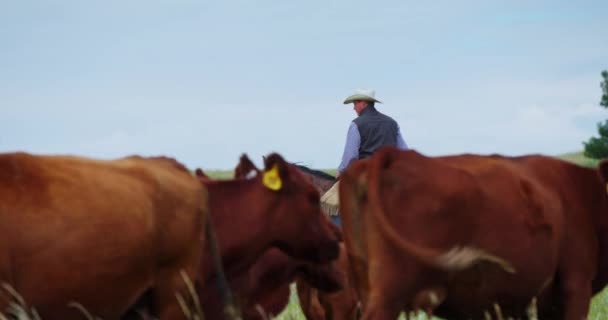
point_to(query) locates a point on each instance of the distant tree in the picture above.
(597, 147)
(604, 85)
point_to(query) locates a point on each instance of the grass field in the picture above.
(598, 311)
(579, 158)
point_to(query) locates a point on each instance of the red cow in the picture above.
(455, 235)
(275, 208)
(268, 286)
(99, 233)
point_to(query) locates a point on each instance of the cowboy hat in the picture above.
(362, 95)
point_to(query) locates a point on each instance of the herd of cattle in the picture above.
(450, 236)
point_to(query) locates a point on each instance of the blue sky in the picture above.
(204, 81)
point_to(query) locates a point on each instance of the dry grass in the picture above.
(19, 310)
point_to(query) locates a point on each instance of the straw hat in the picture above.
(362, 95)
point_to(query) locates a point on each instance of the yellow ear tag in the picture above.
(272, 179)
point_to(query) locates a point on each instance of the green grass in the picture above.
(597, 311)
(227, 174)
(333, 172)
(219, 174)
(599, 306)
(292, 311)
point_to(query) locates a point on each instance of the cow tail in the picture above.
(354, 199)
(458, 258)
(231, 310)
(352, 194)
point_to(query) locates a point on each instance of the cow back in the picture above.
(118, 223)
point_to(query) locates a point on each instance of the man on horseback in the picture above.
(367, 133)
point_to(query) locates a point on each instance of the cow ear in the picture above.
(275, 172)
(199, 173)
(245, 168)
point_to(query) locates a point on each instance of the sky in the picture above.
(206, 81)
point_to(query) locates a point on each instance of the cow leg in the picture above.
(383, 304)
(574, 279)
(166, 305)
(576, 292)
(382, 309)
(309, 303)
(166, 302)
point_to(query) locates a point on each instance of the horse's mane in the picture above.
(317, 173)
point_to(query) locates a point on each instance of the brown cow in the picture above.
(457, 234)
(99, 233)
(250, 216)
(271, 276)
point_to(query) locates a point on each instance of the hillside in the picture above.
(579, 158)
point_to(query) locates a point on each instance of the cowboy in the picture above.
(367, 133)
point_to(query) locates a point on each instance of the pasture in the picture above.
(598, 311)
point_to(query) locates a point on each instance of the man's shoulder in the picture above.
(373, 118)
(387, 117)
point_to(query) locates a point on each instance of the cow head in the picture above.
(296, 217)
(328, 277)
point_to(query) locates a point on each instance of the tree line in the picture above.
(597, 147)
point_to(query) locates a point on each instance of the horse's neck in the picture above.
(322, 185)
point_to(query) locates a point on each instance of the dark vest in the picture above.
(376, 130)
